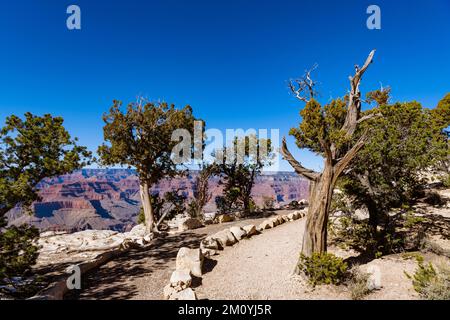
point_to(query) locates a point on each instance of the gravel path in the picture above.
(142, 275)
(258, 268)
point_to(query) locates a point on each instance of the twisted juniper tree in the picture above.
(329, 131)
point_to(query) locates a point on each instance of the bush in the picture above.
(323, 268)
(430, 283)
(17, 253)
(358, 284)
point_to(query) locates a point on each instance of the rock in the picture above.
(209, 247)
(285, 218)
(266, 224)
(210, 243)
(238, 233)
(178, 220)
(207, 253)
(225, 218)
(190, 259)
(181, 279)
(250, 230)
(224, 238)
(138, 230)
(280, 220)
(275, 221)
(168, 292)
(291, 216)
(190, 224)
(186, 294)
(361, 214)
(303, 202)
(374, 281)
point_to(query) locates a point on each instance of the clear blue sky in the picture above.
(229, 59)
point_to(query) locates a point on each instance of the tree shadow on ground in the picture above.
(115, 279)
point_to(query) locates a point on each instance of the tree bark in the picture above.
(321, 192)
(144, 191)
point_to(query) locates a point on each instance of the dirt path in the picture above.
(261, 268)
(142, 275)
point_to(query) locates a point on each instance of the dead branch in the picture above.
(307, 173)
(354, 101)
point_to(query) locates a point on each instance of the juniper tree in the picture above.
(238, 166)
(405, 141)
(141, 137)
(31, 149)
(328, 131)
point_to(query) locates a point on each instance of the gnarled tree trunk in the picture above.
(144, 192)
(321, 193)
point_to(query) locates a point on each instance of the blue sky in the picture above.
(230, 60)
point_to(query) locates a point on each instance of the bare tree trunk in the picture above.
(147, 206)
(321, 193)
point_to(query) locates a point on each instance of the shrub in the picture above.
(323, 268)
(358, 284)
(17, 254)
(430, 283)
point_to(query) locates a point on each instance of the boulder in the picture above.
(190, 259)
(250, 230)
(210, 243)
(275, 221)
(190, 224)
(180, 279)
(285, 218)
(225, 218)
(168, 292)
(186, 294)
(209, 247)
(291, 216)
(266, 224)
(238, 233)
(280, 220)
(224, 238)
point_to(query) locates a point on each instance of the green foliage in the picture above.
(323, 268)
(32, 149)
(239, 171)
(141, 137)
(405, 140)
(430, 283)
(321, 125)
(17, 251)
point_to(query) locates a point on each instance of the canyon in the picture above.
(109, 198)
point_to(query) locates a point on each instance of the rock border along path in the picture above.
(189, 262)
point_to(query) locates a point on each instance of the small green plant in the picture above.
(323, 268)
(358, 284)
(430, 283)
